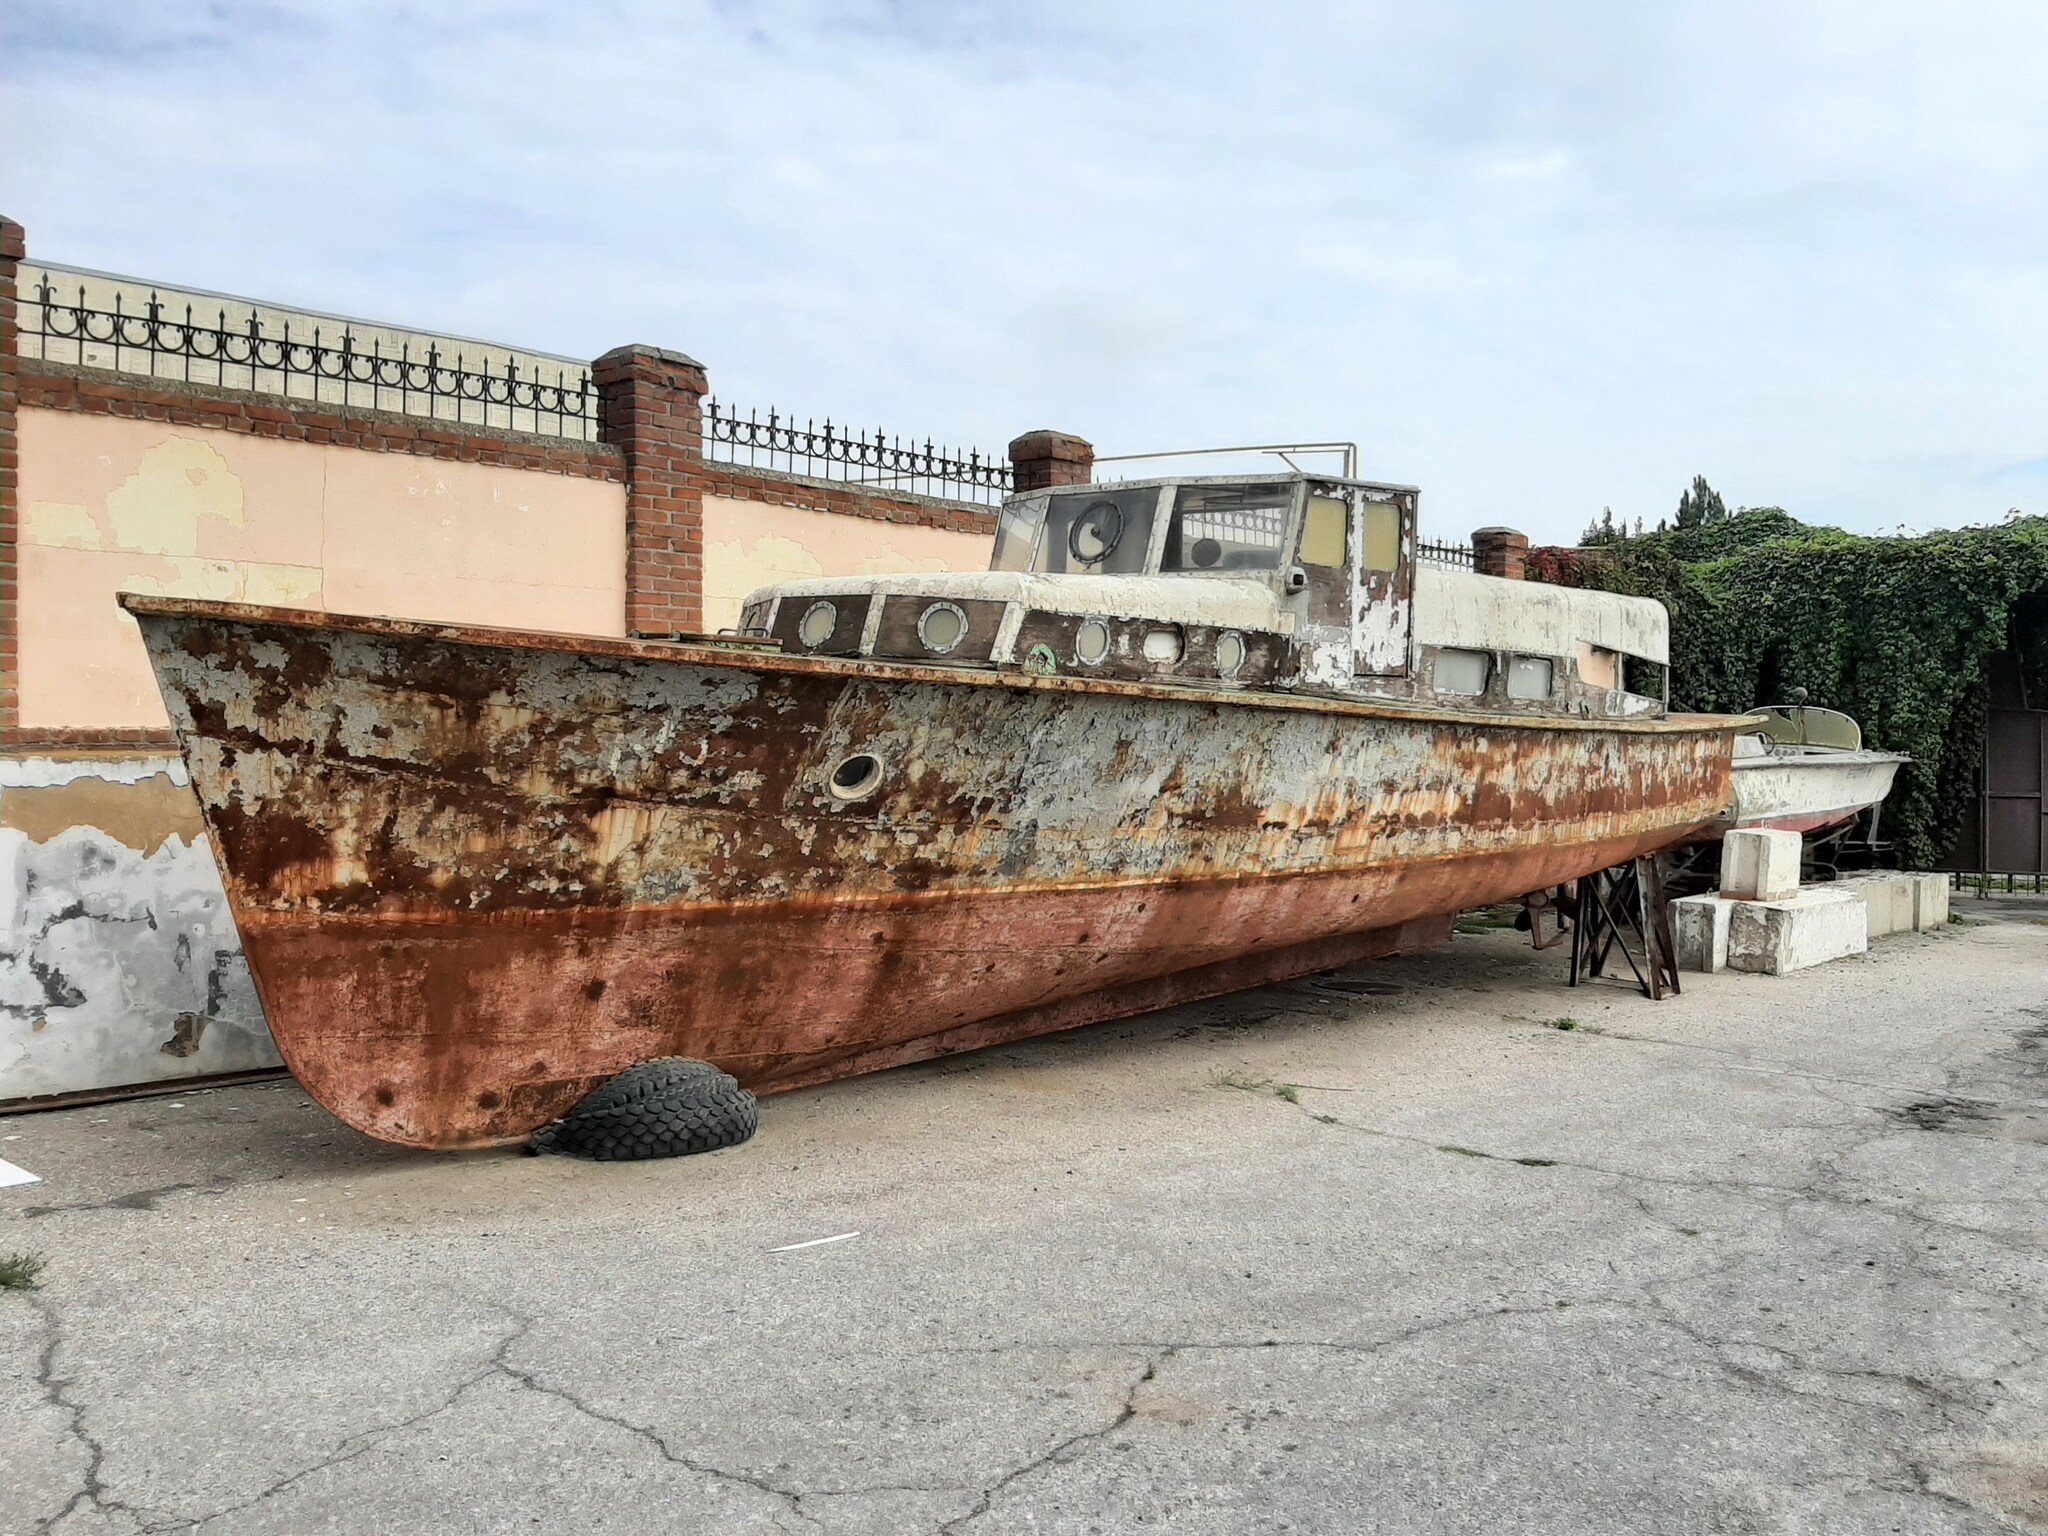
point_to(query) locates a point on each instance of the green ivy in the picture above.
(1897, 632)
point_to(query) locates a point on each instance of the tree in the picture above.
(1701, 505)
(1604, 531)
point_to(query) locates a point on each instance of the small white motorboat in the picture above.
(1806, 770)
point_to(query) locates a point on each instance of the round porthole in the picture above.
(817, 624)
(1162, 647)
(1091, 642)
(857, 777)
(1229, 653)
(941, 627)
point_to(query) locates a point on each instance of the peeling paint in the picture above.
(113, 933)
(478, 870)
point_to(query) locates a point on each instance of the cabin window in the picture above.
(1598, 666)
(1381, 527)
(1466, 672)
(1228, 528)
(1649, 679)
(1529, 677)
(1322, 531)
(1097, 532)
(1017, 534)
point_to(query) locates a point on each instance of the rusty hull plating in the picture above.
(477, 871)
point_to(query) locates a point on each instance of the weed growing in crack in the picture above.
(21, 1271)
(1246, 1083)
(1562, 1023)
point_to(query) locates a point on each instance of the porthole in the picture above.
(1091, 642)
(1162, 647)
(942, 627)
(1229, 653)
(857, 777)
(817, 624)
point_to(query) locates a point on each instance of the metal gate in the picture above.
(2013, 821)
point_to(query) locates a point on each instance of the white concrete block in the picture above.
(1817, 925)
(1759, 865)
(1699, 927)
(1888, 901)
(1930, 901)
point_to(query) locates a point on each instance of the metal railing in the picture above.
(94, 320)
(1435, 552)
(1983, 884)
(781, 443)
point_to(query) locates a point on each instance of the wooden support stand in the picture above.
(1624, 908)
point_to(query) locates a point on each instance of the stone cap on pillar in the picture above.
(1500, 552)
(676, 370)
(1042, 458)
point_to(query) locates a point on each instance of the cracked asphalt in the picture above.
(1387, 1252)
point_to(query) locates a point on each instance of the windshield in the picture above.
(1095, 531)
(1228, 527)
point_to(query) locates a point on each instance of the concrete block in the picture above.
(1699, 927)
(1888, 901)
(1759, 865)
(1930, 901)
(1816, 925)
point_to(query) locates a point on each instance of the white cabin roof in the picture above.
(1487, 613)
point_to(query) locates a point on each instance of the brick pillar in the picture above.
(1040, 459)
(1500, 552)
(650, 409)
(13, 245)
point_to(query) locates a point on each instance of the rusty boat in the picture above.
(1184, 736)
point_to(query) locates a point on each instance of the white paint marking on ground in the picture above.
(9, 1174)
(816, 1242)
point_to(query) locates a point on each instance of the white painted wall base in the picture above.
(119, 964)
(1815, 926)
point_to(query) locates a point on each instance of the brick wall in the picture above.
(12, 245)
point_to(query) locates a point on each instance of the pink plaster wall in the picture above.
(749, 544)
(109, 504)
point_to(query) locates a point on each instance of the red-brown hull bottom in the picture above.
(491, 1027)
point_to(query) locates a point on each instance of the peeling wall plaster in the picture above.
(119, 962)
(110, 504)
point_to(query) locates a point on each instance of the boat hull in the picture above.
(476, 872)
(1808, 792)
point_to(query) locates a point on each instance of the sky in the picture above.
(1538, 259)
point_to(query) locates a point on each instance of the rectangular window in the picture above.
(1529, 677)
(1228, 528)
(1322, 531)
(1598, 666)
(1463, 672)
(1382, 530)
(1017, 527)
(1101, 531)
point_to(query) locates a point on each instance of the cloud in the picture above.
(1537, 259)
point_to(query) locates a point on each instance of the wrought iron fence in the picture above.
(1441, 553)
(66, 321)
(782, 443)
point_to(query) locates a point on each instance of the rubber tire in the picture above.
(654, 1078)
(662, 1112)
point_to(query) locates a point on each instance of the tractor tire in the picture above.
(671, 1107)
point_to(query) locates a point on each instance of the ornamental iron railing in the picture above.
(96, 320)
(1439, 553)
(782, 444)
